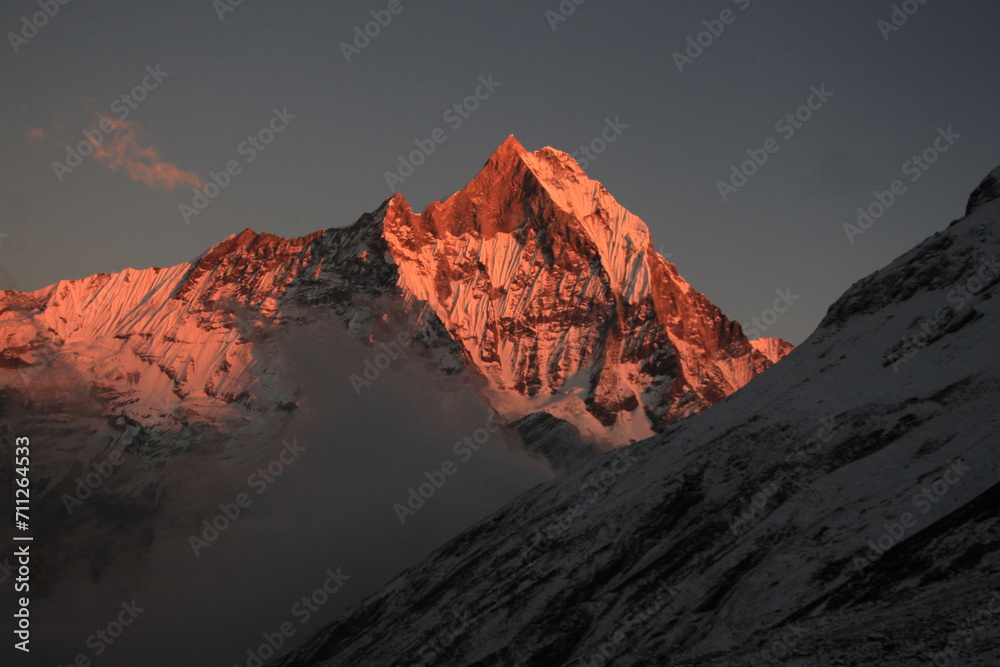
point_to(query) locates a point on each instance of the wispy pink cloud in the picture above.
(125, 148)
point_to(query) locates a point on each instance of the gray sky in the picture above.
(783, 229)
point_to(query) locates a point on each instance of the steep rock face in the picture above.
(532, 276)
(839, 510)
(558, 298)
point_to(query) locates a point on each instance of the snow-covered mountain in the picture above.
(839, 510)
(533, 279)
(774, 349)
(558, 298)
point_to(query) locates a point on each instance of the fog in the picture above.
(330, 509)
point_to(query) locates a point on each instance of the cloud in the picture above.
(333, 508)
(125, 147)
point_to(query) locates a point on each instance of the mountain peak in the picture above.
(510, 148)
(549, 165)
(245, 236)
(523, 263)
(532, 275)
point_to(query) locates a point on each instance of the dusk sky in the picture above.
(220, 79)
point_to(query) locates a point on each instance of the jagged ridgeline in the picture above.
(532, 279)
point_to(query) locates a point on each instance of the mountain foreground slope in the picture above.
(841, 509)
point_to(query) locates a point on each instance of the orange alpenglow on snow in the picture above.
(532, 277)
